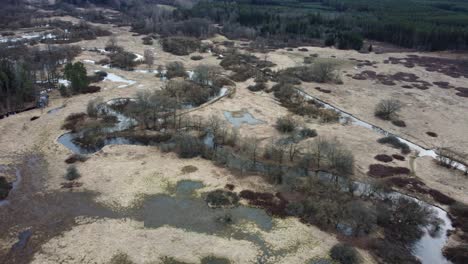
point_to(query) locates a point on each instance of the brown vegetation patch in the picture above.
(320, 89)
(440, 197)
(458, 254)
(75, 158)
(391, 79)
(189, 169)
(451, 67)
(383, 158)
(71, 185)
(229, 186)
(273, 204)
(398, 157)
(431, 134)
(443, 85)
(399, 123)
(72, 121)
(462, 92)
(382, 171)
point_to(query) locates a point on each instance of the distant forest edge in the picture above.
(429, 25)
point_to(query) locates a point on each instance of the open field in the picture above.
(111, 209)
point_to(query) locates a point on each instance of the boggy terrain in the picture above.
(146, 199)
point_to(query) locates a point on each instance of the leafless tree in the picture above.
(386, 108)
(148, 56)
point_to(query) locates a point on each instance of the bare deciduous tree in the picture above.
(148, 56)
(385, 109)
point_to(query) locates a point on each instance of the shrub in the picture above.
(222, 198)
(386, 109)
(92, 109)
(188, 146)
(90, 89)
(382, 171)
(72, 173)
(399, 123)
(74, 158)
(196, 57)
(64, 92)
(73, 120)
(285, 124)
(121, 258)
(398, 157)
(214, 260)
(396, 143)
(175, 69)
(308, 133)
(180, 45)
(5, 188)
(171, 260)
(344, 254)
(124, 60)
(147, 40)
(189, 169)
(383, 158)
(260, 86)
(441, 198)
(328, 115)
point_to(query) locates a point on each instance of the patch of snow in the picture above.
(64, 82)
(138, 57)
(115, 78)
(89, 61)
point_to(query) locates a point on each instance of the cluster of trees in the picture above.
(17, 89)
(25, 72)
(75, 73)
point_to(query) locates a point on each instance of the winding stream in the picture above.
(345, 116)
(428, 248)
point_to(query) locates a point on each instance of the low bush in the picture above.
(382, 171)
(90, 89)
(175, 69)
(285, 124)
(308, 133)
(73, 120)
(386, 109)
(398, 157)
(147, 40)
(399, 123)
(260, 86)
(441, 198)
(75, 158)
(188, 146)
(396, 143)
(431, 134)
(383, 158)
(189, 169)
(5, 188)
(196, 57)
(120, 258)
(214, 260)
(123, 60)
(72, 173)
(344, 254)
(328, 115)
(222, 198)
(92, 109)
(180, 45)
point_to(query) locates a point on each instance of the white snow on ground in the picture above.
(64, 82)
(89, 61)
(115, 78)
(27, 37)
(138, 57)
